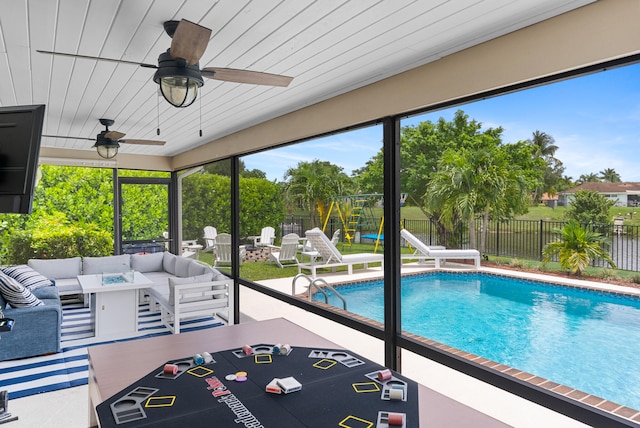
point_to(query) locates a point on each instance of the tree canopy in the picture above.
(545, 149)
(589, 206)
(314, 184)
(456, 170)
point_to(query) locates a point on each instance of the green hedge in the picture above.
(61, 242)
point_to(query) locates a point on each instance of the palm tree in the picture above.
(609, 175)
(576, 248)
(544, 143)
(545, 149)
(315, 184)
(591, 177)
(473, 183)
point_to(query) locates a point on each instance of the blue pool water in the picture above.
(583, 339)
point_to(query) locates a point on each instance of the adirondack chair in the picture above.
(222, 250)
(266, 238)
(210, 234)
(286, 254)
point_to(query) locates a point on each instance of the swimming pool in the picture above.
(584, 339)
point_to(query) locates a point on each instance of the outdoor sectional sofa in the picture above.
(36, 330)
(182, 288)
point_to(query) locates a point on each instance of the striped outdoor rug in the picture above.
(69, 368)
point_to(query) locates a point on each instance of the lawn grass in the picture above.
(590, 273)
(258, 271)
(631, 215)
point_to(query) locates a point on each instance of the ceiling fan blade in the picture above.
(73, 138)
(114, 135)
(246, 76)
(122, 61)
(144, 142)
(189, 41)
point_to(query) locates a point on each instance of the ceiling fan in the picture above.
(108, 142)
(178, 71)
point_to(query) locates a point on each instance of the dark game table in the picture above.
(127, 378)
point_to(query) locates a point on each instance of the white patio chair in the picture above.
(286, 254)
(266, 238)
(210, 234)
(222, 250)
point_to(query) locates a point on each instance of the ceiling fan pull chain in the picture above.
(201, 95)
(158, 111)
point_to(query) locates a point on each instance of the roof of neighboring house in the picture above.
(548, 197)
(622, 187)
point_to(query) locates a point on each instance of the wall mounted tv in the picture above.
(20, 133)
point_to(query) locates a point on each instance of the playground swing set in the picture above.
(358, 216)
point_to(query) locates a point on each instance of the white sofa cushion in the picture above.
(158, 278)
(219, 276)
(169, 262)
(147, 262)
(68, 286)
(107, 264)
(182, 266)
(57, 268)
(196, 268)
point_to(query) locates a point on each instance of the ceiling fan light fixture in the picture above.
(179, 81)
(179, 91)
(107, 148)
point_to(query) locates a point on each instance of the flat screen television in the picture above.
(20, 134)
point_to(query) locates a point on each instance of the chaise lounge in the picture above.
(439, 254)
(331, 257)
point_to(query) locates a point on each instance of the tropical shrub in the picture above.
(589, 207)
(206, 201)
(60, 242)
(576, 248)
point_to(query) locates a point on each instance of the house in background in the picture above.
(625, 194)
(549, 200)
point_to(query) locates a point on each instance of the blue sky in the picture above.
(595, 121)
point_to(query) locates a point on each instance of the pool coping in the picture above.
(595, 401)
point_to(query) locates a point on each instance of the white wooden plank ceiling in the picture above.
(328, 46)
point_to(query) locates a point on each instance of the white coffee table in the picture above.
(114, 307)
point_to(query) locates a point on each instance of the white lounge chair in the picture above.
(286, 254)
(222, 250)
(331, 256)
(210, 234)
(439, 253)
(266, 238)
(308, 250)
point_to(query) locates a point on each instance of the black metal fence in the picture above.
(521, 239)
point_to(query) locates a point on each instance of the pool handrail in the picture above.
(313, 283)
